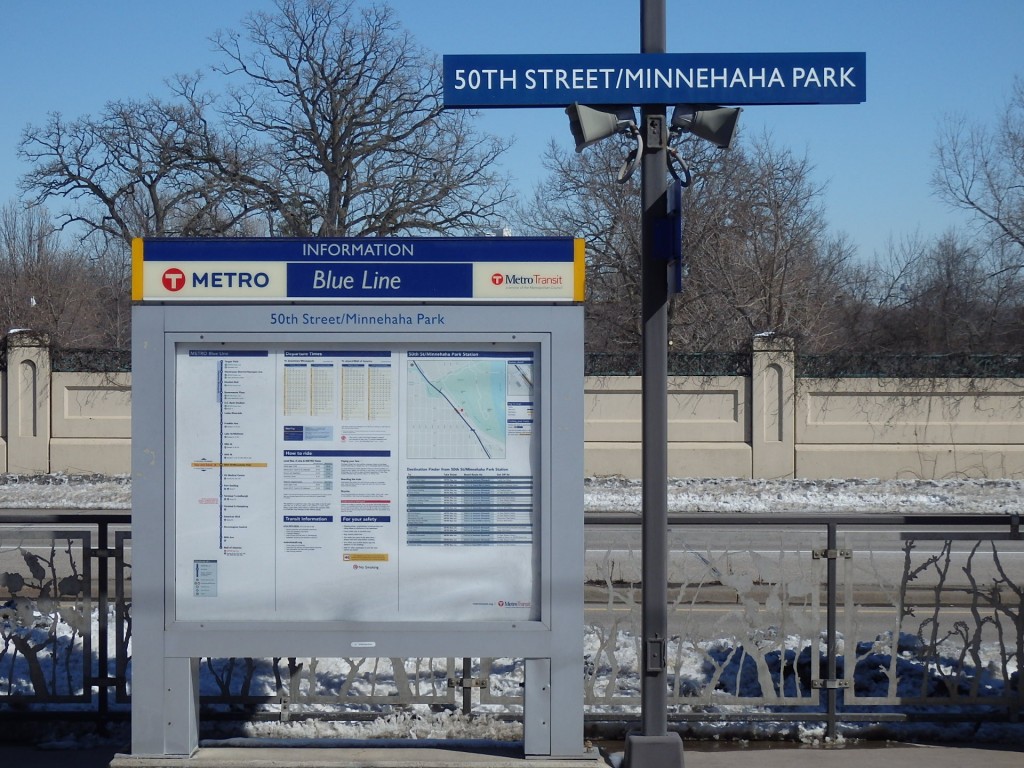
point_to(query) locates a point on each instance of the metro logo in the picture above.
(512, 279)
(230, 279)
(173, 279)
(211, 279)
(518, 281)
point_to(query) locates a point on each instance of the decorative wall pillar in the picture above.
(773, 396)
(28, 403)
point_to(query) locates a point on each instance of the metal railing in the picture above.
(833, 618)
(840, 620)
(64, 615)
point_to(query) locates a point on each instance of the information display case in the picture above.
(336, 454)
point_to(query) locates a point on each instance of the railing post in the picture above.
(773, 394)
(28, 403)
(102, 553)
(467, 691)
(831, 726)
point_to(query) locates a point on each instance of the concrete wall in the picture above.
(768, 425)
(709, 426)
(900, 428)
(775, 425)
(90, 422)
(78, 423)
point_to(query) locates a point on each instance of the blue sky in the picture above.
(925, 59)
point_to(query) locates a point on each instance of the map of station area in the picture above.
(457, 405)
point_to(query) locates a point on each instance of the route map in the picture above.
(456, 405)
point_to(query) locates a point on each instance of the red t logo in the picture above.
(173, 279)
(497, 278)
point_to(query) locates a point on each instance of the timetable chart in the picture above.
(337, 385)
(379, 395)
(469, 510)
(322, 389)
(366, 390)
(296, 389)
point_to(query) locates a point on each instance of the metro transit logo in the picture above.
(514, 280)
(209, 279)
(173, 279)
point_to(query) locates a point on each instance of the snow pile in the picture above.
(612, 494)
(60, 491)
(799, 496)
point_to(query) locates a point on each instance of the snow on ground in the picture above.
(798, 496)
(621, 495)
(62, 491)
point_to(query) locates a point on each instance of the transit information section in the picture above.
(318, 482)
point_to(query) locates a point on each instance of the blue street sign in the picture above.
(738, 79)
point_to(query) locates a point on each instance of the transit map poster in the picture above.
(322, 482)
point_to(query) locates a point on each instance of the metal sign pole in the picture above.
(654, 310)
(655, 747)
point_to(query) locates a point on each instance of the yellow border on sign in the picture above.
(137, 262)
(580, 267)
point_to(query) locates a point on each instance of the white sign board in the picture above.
(355, 482)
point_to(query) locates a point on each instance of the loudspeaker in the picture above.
(591, 124)
(715, 124)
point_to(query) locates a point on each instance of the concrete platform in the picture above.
(697, 755)
(350, 757)
(701, 756)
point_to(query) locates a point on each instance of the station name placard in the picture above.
(546, 80)
(358, 269)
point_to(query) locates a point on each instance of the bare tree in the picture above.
(761, 257)
(581, 198)
(334, 126)
(345, 112)
(140, 169)
(146, 168)
(43, 286)
(980, 169)
(946, 296)
(754, 240)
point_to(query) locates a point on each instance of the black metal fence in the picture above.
(92, 360)
(775, 620)
(883, 365)
(65, 625)
(735, 363)
(833, 365)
